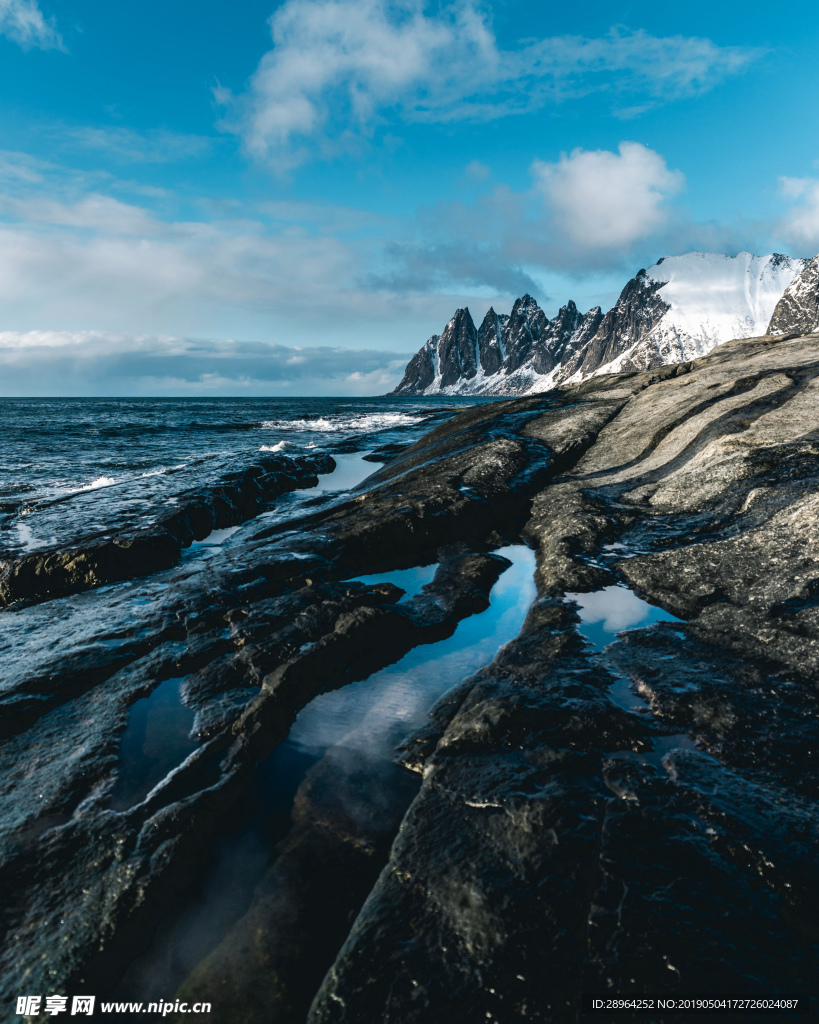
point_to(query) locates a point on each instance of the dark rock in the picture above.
(458, 349)
(490, 342)
(524, 333)
(385, 453)
(638, 308)
(555, 339)
(561, 844)
(420, 371)
(797, 312)
(44, 575)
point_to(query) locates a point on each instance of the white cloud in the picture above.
(339, 69)
(97, 362)
(603, 199)
(801, 226)
(155, 146)
(476, 171)
(23, 22)
(92, 212)
(73, 257)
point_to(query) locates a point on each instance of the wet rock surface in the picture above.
(252, 639)
(48, 574)
(560, 842)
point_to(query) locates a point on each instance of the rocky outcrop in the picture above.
(447, 358)
(490, 342)
(677, 310)
(420, 371)
(565, 841)
(457, 349)
(523, 334)
(638, 309)
(797, 312)
(629, 820)
(44, 575)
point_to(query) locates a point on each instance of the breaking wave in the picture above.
(367, 422)
(101, 481)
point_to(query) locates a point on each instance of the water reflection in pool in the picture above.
(350, 471)
(156, 739)
(410, 580)
(607, 612)
(353, 731)
(381, 710)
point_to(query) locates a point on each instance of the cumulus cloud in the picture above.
(99, 363)
(587, 212)
(599, 199)
(23, 22)
(801, 225)
(339, 69)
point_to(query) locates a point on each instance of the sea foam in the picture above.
(367, 421)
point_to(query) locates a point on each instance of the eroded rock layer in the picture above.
(44, 575)
(562, 841)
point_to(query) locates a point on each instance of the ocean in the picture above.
(74, 469)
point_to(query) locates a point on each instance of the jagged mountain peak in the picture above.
(677, 309)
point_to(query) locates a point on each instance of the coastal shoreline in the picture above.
(546, 854)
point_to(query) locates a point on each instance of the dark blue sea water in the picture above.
(75, 469)
(71, 469)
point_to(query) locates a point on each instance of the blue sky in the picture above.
(289, 198)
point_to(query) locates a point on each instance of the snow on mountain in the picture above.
(711, 298)
(678, 309)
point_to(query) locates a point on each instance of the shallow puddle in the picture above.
(409, 580)
(607, 612)
(604, 614)
(210, 545)
(354, 728)
(380, 710)
(155, 741)
(350, 471)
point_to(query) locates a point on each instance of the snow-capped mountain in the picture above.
(676, 310)
(797, 312)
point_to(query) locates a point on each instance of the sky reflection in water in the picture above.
(607, 612)
(378, 712)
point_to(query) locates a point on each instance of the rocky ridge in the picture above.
(677, 310)
(44, 575)
(797, 312)
(560, 842)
